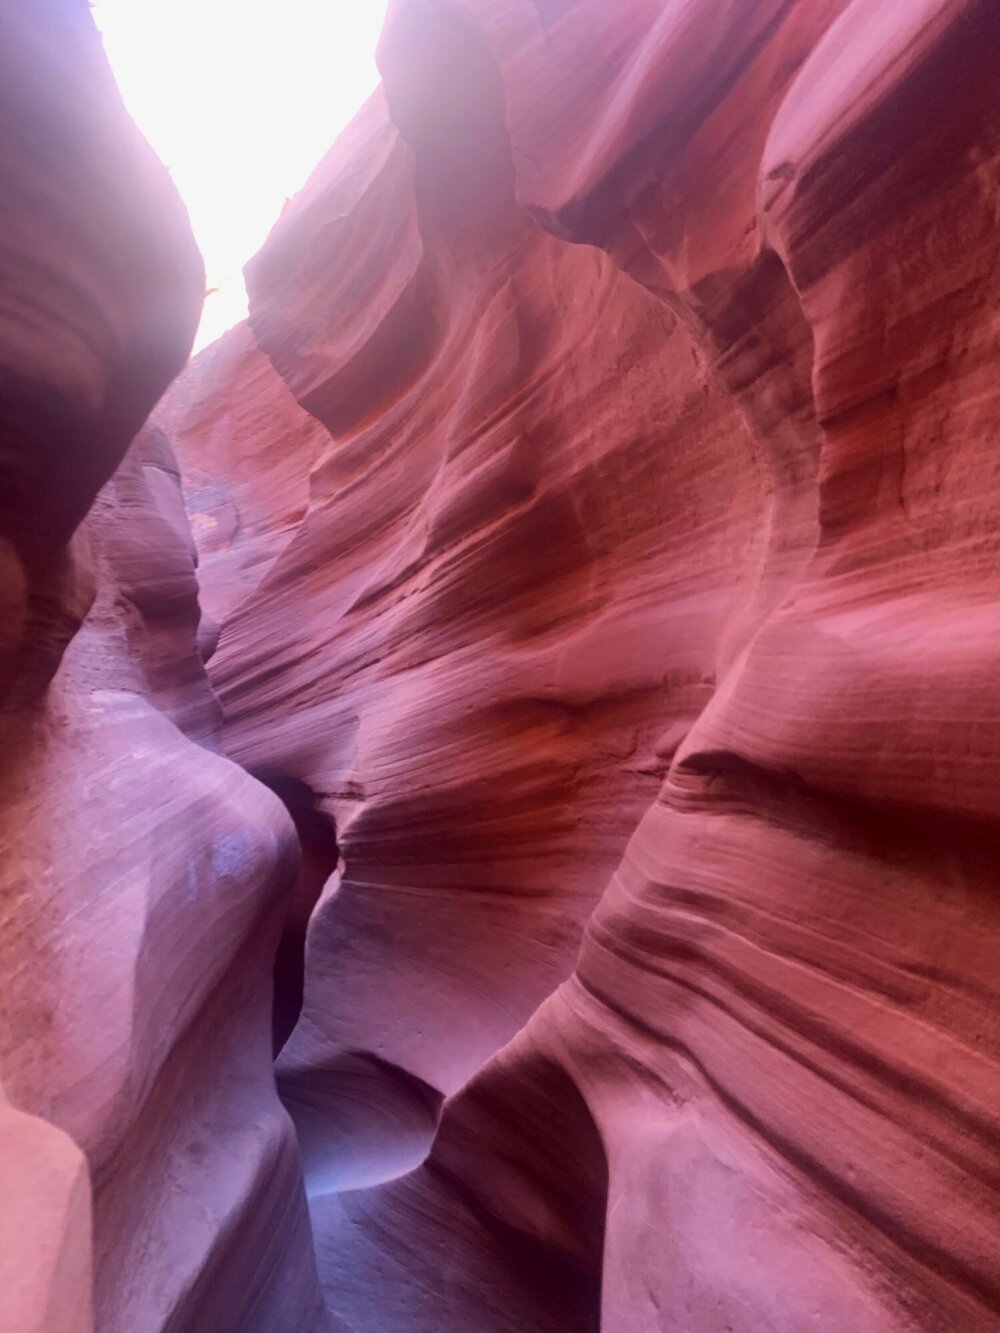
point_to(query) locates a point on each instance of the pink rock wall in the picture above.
(45, 1228)
(248, 449)
(647, 592)
(149, 1178)
(100, 279)
(597, 522)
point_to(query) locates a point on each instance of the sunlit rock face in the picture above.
(632, 637)
(149, 1177)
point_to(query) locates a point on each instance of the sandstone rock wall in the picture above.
(149, 1178)
(598, 558)
(646, 593)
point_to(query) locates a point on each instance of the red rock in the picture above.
(248, 448)
(653, 544)
(100, 286)
(599, 508)
(144, 876)
(157, 907)
(450, 654)
(45, 1265)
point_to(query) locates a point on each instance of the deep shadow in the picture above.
(360, 1120)
(320, 856)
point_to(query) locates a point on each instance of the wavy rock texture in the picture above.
(144, 875)
(99, 283)
(248, 448)
(598, 521)
(646, 601)
(145, 886)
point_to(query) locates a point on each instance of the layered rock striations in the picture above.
(148, 878)
(149, 1178)
(597, 541)
(100, 277)
(248, 449)
(644, 606)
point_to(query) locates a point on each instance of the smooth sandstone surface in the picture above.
(146, 879)
(248, 448)
(595, 532)
(636, 648)
(99, 275)
(149, 1178)
(45, 1228)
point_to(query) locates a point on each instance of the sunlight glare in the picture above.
(240, 98)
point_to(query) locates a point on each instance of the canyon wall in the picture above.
(594, 530)
(149, 1178)
(629, 664)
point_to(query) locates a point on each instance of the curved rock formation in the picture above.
(144, 875)
(45, 1228)
(248, 448)
(653, 543)
(597, 525)
(100, 278)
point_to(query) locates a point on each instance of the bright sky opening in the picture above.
(240, 98)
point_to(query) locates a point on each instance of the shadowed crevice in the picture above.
(320, 858)
(360, 1119)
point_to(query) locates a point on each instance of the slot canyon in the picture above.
(500, 752)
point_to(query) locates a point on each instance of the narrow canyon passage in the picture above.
(500, 752)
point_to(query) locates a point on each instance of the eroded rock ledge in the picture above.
(597, 526)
